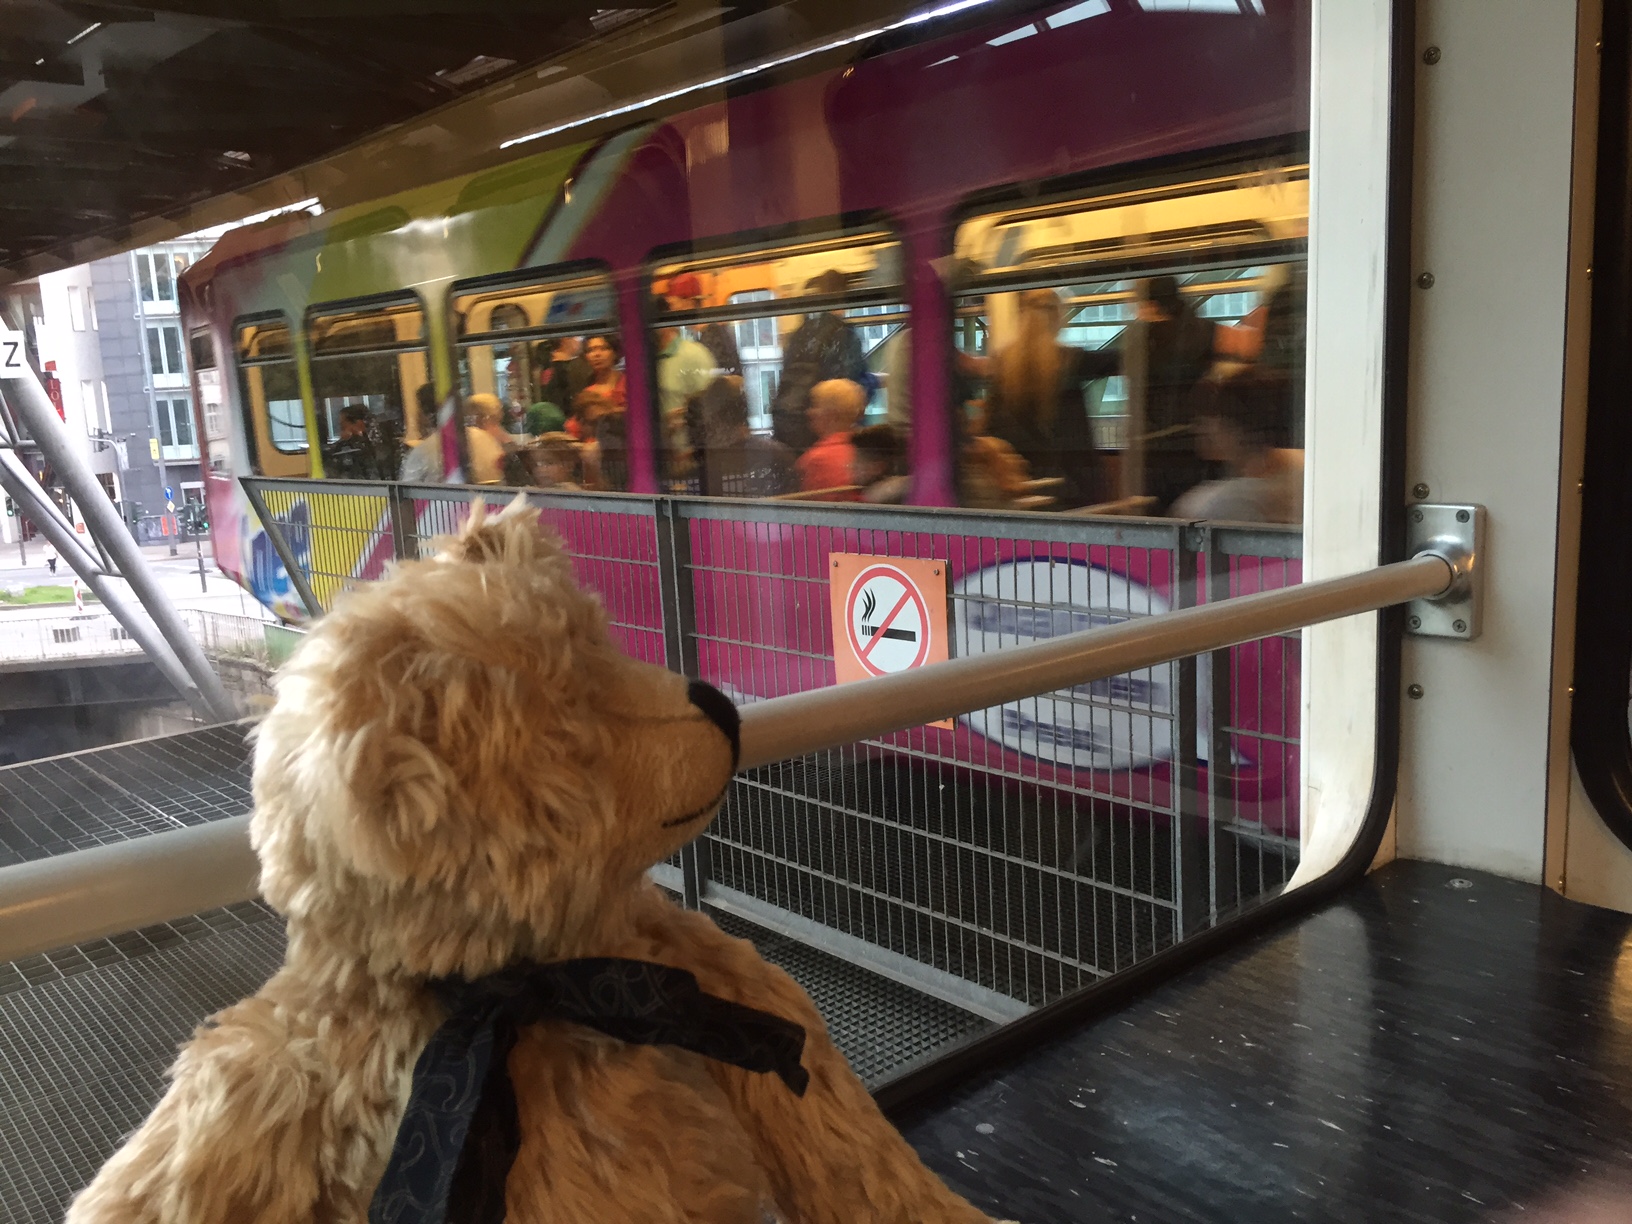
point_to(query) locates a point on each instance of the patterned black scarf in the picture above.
(460, 1133)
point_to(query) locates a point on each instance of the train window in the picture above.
(207, 379)
(1138, 351)
(541, 367)
(370, 384)
(780, 370)
(274, 415)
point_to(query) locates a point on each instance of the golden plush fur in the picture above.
(460, 772)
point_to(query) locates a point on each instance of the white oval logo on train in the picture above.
(1121, 722)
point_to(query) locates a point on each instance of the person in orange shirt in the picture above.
(835, 407)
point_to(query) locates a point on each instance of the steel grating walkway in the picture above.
(86, 1033)
(107, 795)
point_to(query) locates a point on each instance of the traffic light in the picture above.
(11, 508)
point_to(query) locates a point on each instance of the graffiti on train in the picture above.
(1122, 722)
(266, 576)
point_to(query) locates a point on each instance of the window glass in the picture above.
(774, 371)
(270, 387)
(201, 349)
(542, 374)
(371, 385)
(76, 308)
(1137, 352)
(156, 274)
(164, 349)
(176, 428)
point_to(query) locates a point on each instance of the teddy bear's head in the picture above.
(461, 770)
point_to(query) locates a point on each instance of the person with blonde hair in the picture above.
(835, 407)
(1035, 403)
(485, 438)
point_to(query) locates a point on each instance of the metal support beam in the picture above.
(32, 500)
(33, 410)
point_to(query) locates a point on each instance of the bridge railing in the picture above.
(92, 634)
(1001, 859)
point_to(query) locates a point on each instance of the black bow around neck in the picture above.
(460, 1133)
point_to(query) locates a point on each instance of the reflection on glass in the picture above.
(1137, 353)
(367, 367)
(770, 360)
(542, 375)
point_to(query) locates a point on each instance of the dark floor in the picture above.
(1437, 1046)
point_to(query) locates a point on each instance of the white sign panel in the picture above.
(888, 621)
(13, 353)
(1122, 722)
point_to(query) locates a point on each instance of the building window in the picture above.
(164, 349)
(156, 274)
(107, 414)
(87, 404)
(90, 307)
(76, 308)
(176, 428)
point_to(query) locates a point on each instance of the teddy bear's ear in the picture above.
(512, 537)
(398, 792)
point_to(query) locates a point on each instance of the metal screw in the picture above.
(1460, 626)
(1416, 623)
(1416, 516)
(1431, 56)
(1459, 883)
(1425, 281)
(1415, 691)
(1462, 516)
(1419, 491)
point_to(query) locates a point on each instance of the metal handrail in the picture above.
(67, 900)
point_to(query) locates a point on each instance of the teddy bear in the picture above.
(487, 1011)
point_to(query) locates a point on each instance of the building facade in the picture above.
(110, 334)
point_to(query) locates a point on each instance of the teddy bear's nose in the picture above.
(720, 712)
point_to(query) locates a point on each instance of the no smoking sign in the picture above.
(888, 621)
(888, 615)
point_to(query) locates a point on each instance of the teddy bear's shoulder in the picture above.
(724, 965)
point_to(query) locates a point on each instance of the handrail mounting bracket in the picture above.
(1456, 534)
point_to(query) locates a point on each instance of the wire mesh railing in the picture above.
(1006, 858)
(72, 636)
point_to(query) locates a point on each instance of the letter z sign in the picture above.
(13, 361)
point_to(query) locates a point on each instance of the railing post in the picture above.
(675, 586)
(274, 533)
(1220, 764)
(1192, 842)
(679, 654)
(404, 527)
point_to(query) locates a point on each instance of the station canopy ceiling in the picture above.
(113, 114)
